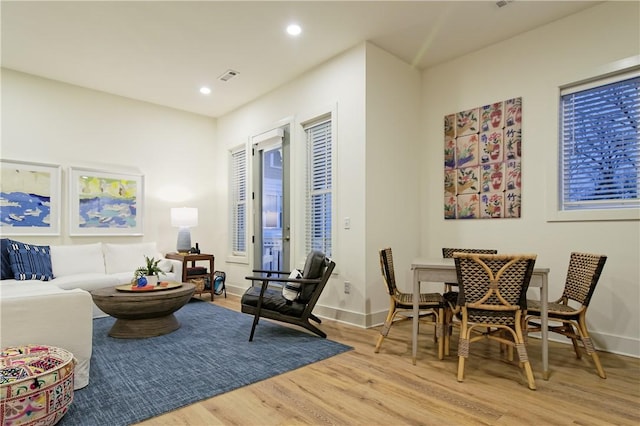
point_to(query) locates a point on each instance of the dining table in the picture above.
(443, 270)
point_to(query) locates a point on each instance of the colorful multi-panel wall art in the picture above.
(482, 156)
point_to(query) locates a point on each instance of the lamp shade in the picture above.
(184, 217)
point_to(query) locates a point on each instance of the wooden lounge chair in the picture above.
(269, 302)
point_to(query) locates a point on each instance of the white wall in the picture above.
(52, 122)
(376, 99)
(532, 66)
(393, 150)
(337, 85)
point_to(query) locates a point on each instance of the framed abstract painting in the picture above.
(105, 203)
(29, 198)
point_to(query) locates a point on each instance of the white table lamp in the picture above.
(184, 218)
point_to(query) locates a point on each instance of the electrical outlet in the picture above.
(347, 287)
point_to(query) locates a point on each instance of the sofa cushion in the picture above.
(30, 262)
(87, 281)
(127, 257)
(165, 265)
(6, 271)
(77, 259)
(19, 289)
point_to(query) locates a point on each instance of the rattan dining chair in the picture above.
(582, 277)
(401, 304)
(451, 296)
(493, 302)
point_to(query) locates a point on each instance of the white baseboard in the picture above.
(607, 343)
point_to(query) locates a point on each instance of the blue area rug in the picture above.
(134, 379)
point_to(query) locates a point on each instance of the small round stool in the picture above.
(36, 384)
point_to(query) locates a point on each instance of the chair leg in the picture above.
(461, 358)
(312, 328)
(440, 333)
(256, 316)
(463, 347)
(522, 355)
(384, 331)
(568, 331)
(448, 318)
(253, 327)
(588, 345)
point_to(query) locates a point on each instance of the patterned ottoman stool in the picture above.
(36, 385)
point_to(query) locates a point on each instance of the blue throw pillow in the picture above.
(6, 271)
(30, 262)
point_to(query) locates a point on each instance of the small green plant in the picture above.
(151, 268)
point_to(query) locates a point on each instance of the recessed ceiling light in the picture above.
(294, 29)
(205, 90)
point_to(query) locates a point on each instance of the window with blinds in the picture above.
(600, 144)
(319, 187)
(238, 202)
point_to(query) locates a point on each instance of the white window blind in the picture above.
(319, 187)
(239, 203)
(600, 149)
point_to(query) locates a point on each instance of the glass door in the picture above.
(271, 221)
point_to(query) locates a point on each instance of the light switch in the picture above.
(347, 223)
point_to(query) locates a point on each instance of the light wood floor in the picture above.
(360, 387)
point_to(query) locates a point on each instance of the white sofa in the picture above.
(59, 312)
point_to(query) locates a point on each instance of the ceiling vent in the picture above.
(228, 75)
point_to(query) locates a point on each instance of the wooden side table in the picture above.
(193, 258)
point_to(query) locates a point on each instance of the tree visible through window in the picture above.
(319, 190)
(600, 149)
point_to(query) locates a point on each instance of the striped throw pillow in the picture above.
(30, 262)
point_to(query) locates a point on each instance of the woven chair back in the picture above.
(447, 252)
(386, 267)
(582, 276)
(493, 287)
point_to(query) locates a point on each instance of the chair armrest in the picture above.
(265, 271)
(286, 280)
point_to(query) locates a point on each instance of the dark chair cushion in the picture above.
(272, 301)
(314, 265)
(313, 268)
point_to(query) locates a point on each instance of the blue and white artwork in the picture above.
(105, 203)
(29, 198)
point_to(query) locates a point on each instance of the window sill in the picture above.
(593, 215)
(238, 259)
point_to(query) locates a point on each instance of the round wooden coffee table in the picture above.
(145, 313)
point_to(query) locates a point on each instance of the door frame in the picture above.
(280, 135)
